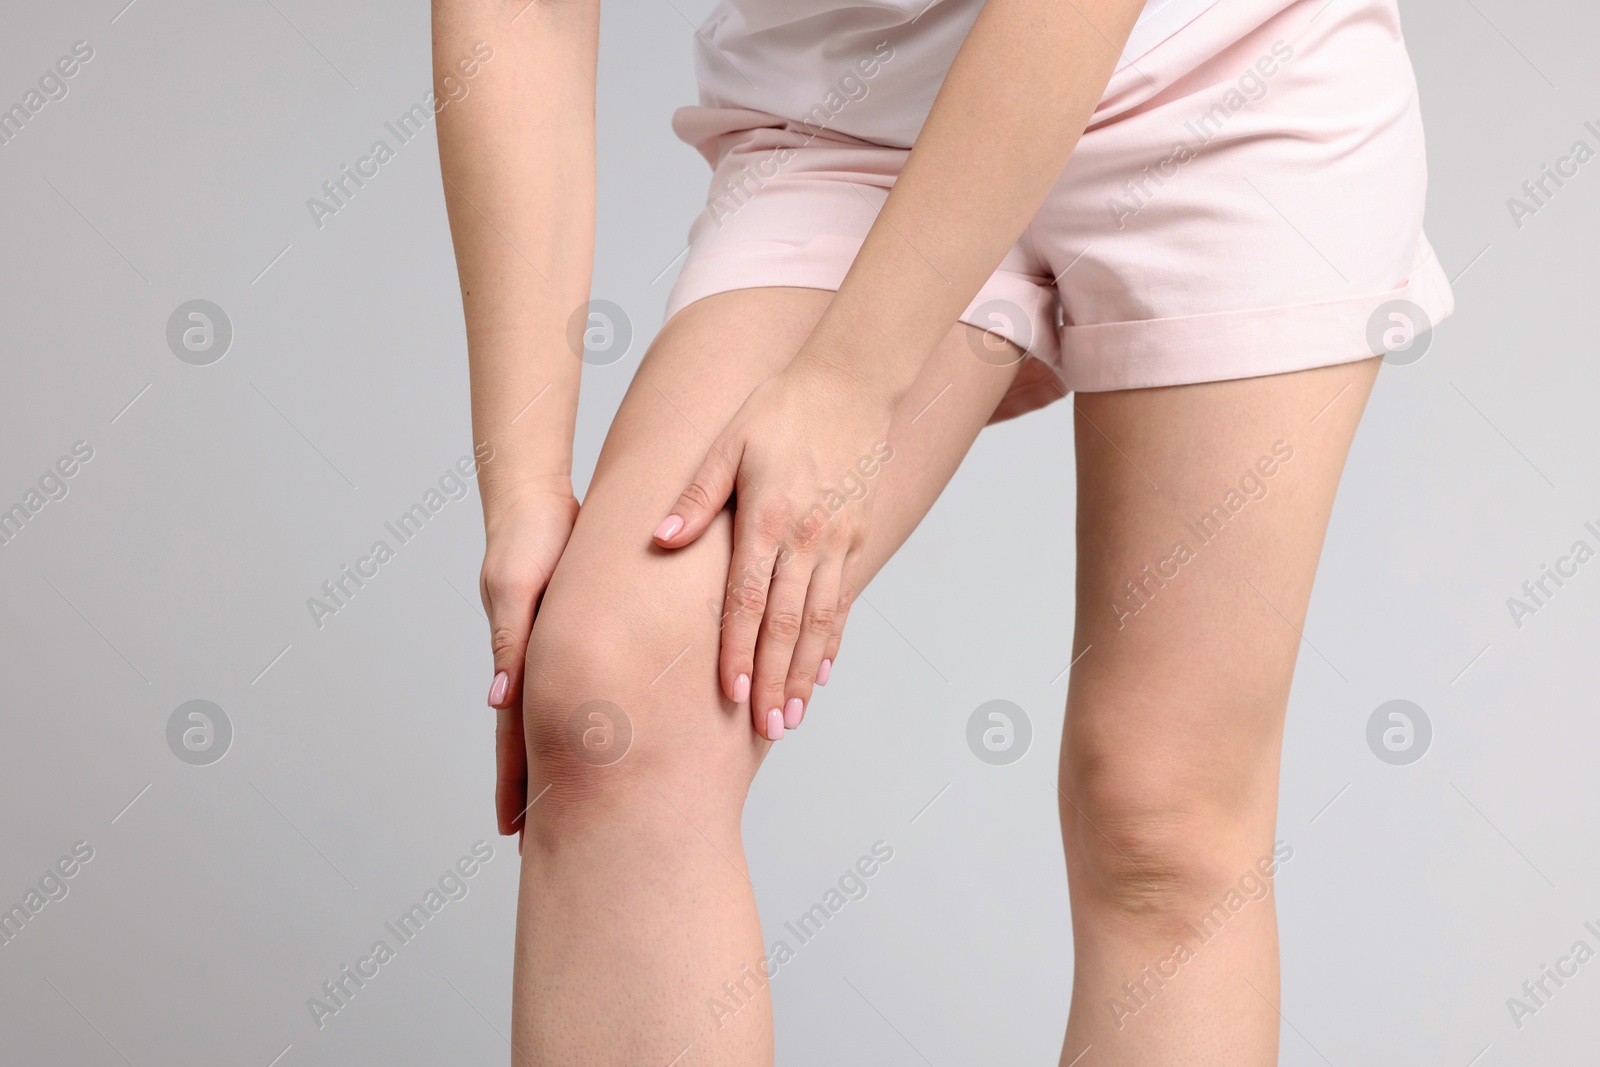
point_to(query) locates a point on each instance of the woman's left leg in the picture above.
(1201, 515)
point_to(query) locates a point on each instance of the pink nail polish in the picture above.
(497, 689)
(793, 709)
(669, 526)
(774, 725)
(741, 688)
(823, 671)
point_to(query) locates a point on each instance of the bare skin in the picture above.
(637, 695)
(635, 905)
(1169, 765)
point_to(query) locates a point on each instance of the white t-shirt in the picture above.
(867, 68)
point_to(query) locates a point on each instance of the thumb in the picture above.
(700, 500)
(511, 603)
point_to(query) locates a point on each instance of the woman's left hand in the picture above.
(804, 452)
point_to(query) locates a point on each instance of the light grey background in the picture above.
(177, 567)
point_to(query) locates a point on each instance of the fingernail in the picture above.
(669, 526)
(793, 710)
(823, 671)
(497, 690)
(774, 725)
(741, 689)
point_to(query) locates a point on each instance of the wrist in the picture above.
(838, 381)
(515, 469)
(503, 501)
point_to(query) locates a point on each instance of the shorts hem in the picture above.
(1222, 346)
(822, 261)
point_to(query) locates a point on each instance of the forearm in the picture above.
(518, 160)
(1010, 111)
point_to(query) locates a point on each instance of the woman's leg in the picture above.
(637, 936)
(1201, 515)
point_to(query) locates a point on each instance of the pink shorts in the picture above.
(1246, 200)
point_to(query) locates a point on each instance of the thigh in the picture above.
(625, 621)
(1201, 516)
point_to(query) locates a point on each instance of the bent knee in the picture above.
(586, 704)
(618, 713)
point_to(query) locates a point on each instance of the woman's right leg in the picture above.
(637, 936)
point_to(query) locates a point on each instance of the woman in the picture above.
(925, 215)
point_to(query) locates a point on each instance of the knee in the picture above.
(616, 715)
(586, 701)
(576, 715)
(1155, 843)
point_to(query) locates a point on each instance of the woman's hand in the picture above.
(803, 453)
(525, 538)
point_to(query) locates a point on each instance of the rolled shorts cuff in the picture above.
(1225, 345)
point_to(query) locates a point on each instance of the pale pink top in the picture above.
(867, 68)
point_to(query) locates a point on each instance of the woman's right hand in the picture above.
(524, 539)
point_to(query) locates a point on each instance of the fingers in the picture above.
(511, 771)
(749, 575)
(783, 620)
(700, 500)
(771, 708)
(510, 600)
(816, 630)
(847, 597)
